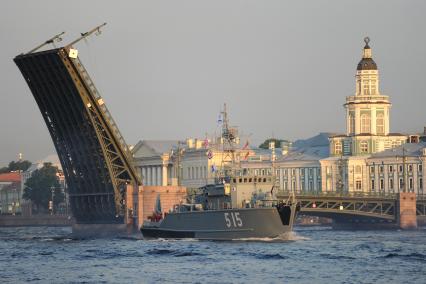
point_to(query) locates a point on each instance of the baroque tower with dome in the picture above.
(367, 115)
(367, 132)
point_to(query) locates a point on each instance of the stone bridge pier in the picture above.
(406, 210)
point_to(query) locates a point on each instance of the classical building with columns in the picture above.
(153, 161)
(398, 169)
(367, 132)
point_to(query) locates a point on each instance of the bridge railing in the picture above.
(383, 195)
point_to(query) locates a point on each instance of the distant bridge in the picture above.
(94, 156)
(360, 209)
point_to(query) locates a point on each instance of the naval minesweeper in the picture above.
(236, 206)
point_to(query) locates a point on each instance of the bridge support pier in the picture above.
(406, 210)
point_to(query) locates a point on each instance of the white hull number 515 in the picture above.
(233, 219)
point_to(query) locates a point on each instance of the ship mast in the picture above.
(228, 146)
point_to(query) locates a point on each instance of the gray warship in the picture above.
(237, 206)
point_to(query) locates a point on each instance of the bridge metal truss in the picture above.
(333, 206)
(94, 156)
(383, 209)
(421, 208)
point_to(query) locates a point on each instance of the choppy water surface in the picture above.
(314, 255)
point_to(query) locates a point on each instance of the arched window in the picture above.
(338, 148)
(365, 123)
(380, 123)
(351, 123)
(363, 146)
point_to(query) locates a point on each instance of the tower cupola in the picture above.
(367, 62)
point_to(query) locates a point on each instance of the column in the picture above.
(373, 120)
(357, 121)
(164, 175)
(143, 175)
(158, 168)
(149, 176)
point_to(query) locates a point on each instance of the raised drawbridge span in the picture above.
(94, 156)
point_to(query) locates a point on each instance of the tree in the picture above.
(278, 142)
(39, 186)
(16, 166)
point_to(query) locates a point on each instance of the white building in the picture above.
(398, 169)
(367, 115)
(152, 159)
(367, 132)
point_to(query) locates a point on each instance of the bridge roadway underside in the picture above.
(58, 94)
(349, 220)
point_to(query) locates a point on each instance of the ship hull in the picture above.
(228, 224)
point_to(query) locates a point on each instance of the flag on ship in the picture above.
(206, 143)
(246, 145)
(219, 119)
(210, 154)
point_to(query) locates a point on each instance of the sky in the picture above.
(165, 68)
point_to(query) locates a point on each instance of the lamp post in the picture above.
(52, 189)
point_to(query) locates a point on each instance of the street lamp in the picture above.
(51, 202)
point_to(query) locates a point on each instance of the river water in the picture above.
(312, 255)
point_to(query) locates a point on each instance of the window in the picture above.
(382, 184)
(391, 169)
(380, 124)
(372, 170)
(390, 183)
(365, 123)
(358, 185)
(311, 172)
(366, 92)
(410, 183)
(285, 186)
(311, 185)
(394, 144)
(401, 183)
(363, 147)
(358, 169)
(293, 172)
(372, 184)
(420, 183)
(351, 123)
(381, 169)
(401, 169)
(420, 168)
(373, 89)
(410, 168)
(338, 148)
